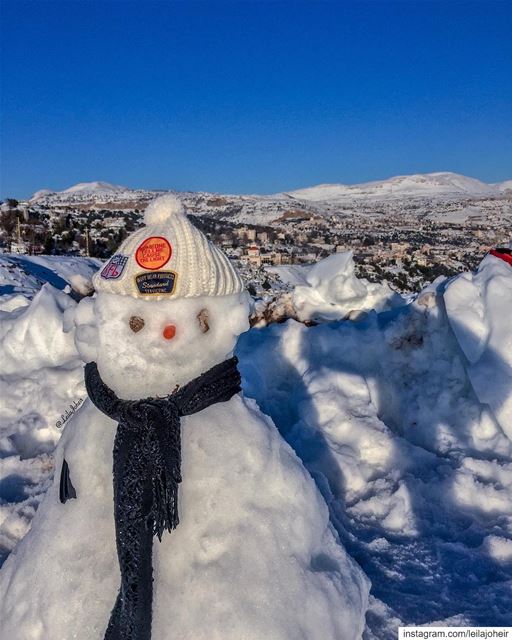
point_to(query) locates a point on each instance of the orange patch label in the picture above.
(153, 253)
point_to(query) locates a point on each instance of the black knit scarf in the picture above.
(147, 471)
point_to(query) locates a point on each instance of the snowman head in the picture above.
(168, 306)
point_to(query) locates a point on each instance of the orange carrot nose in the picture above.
(169, 332)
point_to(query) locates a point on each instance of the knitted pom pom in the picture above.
(162, 209)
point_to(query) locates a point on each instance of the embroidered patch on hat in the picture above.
(160, 282)
(153, 253)
(114, 267)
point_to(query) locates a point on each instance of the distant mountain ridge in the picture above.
(417, 185)
(438, 184)
(99, 188)
(95, 187)
(432, 194)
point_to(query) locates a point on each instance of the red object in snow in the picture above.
(503, 254)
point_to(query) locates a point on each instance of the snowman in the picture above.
(177, 511)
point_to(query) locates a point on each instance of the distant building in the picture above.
(113, 223)
(19, 247)
(399, 249)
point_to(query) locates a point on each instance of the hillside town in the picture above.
(407, 242)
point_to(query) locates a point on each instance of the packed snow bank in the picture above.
(416, 469)
(40, 380)
(479, 308)
(330, 290)
(32, 336)
(25, 275)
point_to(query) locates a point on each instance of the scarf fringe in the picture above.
(164, 512)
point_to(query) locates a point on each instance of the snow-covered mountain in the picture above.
(90, 189)
(504, 186)
(94, 187)
(442, 184)
(40, 194)
(402, 191)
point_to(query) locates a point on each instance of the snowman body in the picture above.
(254, 556)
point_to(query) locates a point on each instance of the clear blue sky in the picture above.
(252, 96)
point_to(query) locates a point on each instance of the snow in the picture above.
(437, 184)
(499, 548)
(391, 461)
(429, 184)
(94, 187)
(479, 308)
(439, 195)
(91, 187)
(459, 216)
(41, 193)
(329, 289)
(303, 585)
(505, 186)
(13, 301)
(416, 468)
(31, 337)
(41, 377)
(82, 188)
(145, 364)
(26, 274)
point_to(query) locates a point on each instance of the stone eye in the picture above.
(202, 318)
(136, 323)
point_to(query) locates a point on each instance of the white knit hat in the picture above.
(167, 258)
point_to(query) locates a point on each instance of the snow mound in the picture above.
(479, 308)
(330, 290)
(32, 337)
(409, 442)
(13, 301)
(41, 380)
(21, 274)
